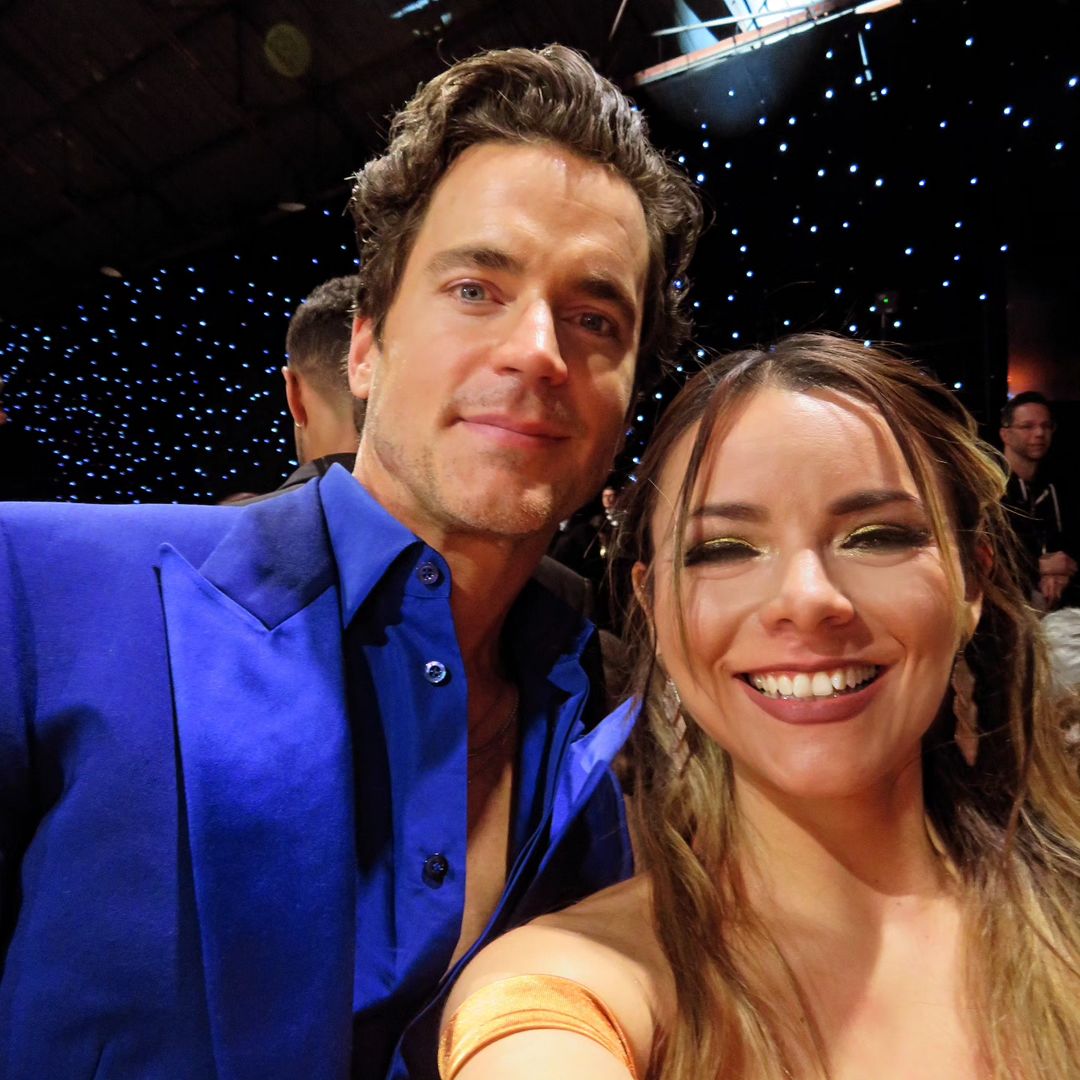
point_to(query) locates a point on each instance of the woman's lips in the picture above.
(840, 705)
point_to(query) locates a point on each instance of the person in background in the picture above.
(270, 774)
(1032, 498)
(327, 418)
(585, 546)
(858, 819)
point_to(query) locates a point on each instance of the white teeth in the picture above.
(811, 684)
(800, 686)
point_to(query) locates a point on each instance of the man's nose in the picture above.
(532, 346)
(806, 597)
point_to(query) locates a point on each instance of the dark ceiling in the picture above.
(132, 130)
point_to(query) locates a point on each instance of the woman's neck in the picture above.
(837, 858)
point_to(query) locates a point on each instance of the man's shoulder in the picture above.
(117, 525)
(116, 534)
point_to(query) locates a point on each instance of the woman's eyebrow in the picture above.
(871, 500)
(736, 511)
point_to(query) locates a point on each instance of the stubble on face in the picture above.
(449, 492)
(451, 370)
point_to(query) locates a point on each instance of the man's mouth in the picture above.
(804, 685)
(519, 425)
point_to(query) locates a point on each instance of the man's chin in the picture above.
(520, 515)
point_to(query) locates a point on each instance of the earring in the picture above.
(672, 701)
(965, 710)
(673, 713)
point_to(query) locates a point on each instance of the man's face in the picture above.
(607, 497)
(1029, 434)
(497, 396)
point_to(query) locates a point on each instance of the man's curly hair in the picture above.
(519, 95)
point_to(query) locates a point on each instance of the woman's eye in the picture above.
(721, 549)
(886, 538)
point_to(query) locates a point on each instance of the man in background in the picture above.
(585, 545)
(1032, 499)
(327, 418)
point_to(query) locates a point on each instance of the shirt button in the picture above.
(436, 867)
(429, 573)
(435, 672)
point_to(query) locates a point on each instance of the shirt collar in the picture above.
(544, 632)
(364, 536)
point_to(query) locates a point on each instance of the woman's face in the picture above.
(821, 626)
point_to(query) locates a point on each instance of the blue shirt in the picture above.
(408, 708)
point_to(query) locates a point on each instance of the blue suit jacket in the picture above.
(177, 853)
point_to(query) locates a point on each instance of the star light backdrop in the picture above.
(887, 191)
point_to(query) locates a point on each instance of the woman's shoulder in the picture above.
(605, 943)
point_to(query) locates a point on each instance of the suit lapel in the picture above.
(263, 738)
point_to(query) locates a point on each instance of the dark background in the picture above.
(909, 176)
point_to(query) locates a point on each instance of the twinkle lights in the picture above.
(165, 386)
(889, 180)
(874, 180)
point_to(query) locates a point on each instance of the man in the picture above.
(1027, 428)
(327, 419)
(269, 775)
(585, 545)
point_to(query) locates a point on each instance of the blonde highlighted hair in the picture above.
(1009, 826)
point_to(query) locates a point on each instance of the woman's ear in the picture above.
(973, 595)
(639, 575)
(972, 612)
(640, 579)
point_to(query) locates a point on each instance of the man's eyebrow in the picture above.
(484, 258)
(602, 287)
(871, 500)
(736, 511)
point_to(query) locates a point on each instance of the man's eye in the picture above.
(471, 292)
(885, 538)
(596, 323)
(720, 549)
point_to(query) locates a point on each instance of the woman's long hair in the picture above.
(1009, 826)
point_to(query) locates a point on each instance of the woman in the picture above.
(857, 819)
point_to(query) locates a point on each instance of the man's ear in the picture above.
(363, 357)
(294, 396)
